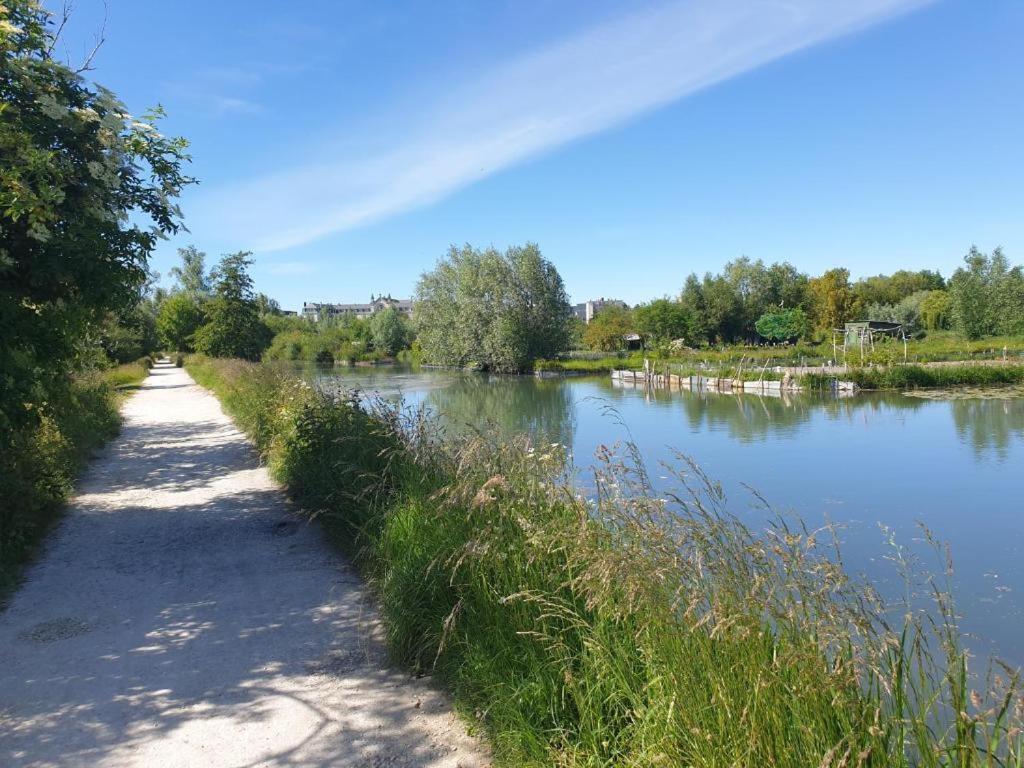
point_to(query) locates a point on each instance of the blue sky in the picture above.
(350, 144)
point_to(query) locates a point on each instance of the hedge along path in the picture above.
(185, 615)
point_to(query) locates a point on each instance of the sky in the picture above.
(350, 144)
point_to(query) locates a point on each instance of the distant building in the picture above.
(588, 309)
(315, 310)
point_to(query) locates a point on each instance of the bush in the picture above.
(634, 629)
(38, 465)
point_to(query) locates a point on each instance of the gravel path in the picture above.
(184, 615)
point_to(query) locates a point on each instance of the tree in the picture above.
(759, 289)
(894, 288)
(691, 299)
(935, 310)
(783, 324)
(86, 190)
(832, 299)
(608, 328)
(500, 311)
(191, 275)
(987, 295)
(233, 326)
(388, 331)
(180, 316)
(724, 308)
(266, 306)
(665, 320)
(907, 312)
(129, 334)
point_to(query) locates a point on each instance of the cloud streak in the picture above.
(582, 85)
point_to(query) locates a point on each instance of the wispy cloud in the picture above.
(228, 90)
(289, 268)
(577, 87)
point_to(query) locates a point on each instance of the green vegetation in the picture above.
(233, 327)
(920, 377)
(179, 317)
(784, 325)
(86, 190)
(632, 629)
(496, 311)
(345, 339)
(389, 332)
(987, 296)
(38, 465)
(607, 331)
(750, 302)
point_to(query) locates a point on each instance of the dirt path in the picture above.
(184, 615)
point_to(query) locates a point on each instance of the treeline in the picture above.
(219, 314)
(85, 191)
(751, 302)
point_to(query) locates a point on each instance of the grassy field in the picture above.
(38, 471)
(628, 628)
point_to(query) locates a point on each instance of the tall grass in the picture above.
(39, 464)
(623, 627)
(920, 377)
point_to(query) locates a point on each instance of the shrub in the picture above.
(38, 465)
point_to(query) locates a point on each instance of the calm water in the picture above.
(865, 461)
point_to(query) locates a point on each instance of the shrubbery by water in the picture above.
(921, 377)
(623, 627)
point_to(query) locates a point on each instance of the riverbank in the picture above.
(936, 347)
(184, 615)
(611, 631)
(909, 377)
(39, 465)
(892, 377)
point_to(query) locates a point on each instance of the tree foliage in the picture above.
(179, 317)
(783, 324)
(664, 320)
(233, 326)
(987, 295)
(725, 307)
(892, 289)
(192, 277)
(607, 329)
(833, 302)
(389, 331)
(85, 191)
(500, 311)
(935, 310)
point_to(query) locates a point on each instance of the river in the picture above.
(863, 462)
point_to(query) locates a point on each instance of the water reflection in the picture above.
(989, 426)
(864, 461)
(542, 408)
(751, 417)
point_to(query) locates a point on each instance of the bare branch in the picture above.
(65, 14)
(101, 37)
